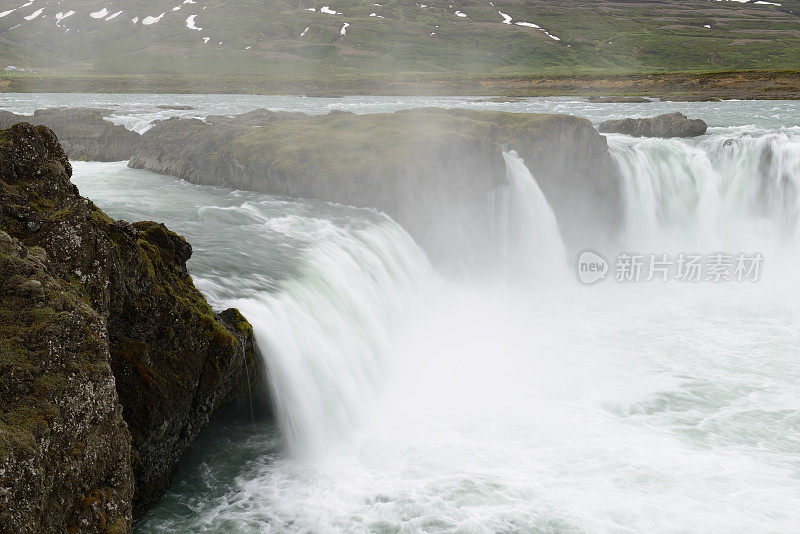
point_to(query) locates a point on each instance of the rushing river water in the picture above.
(408, 401)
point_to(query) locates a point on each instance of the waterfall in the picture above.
(324, 334)
(525, 231)
(720, 192)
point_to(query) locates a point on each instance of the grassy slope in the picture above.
(597, 37)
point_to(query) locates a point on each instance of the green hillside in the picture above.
(286, 39)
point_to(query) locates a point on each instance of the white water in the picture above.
(525, 226)
(723, 192)
(325, 334)
(413, 403)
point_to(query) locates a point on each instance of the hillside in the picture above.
(290, 39)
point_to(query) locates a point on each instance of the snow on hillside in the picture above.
(313, 22)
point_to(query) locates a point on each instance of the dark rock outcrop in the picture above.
(64, 446)
(669, 125)
(84, 133)
(174, 361)
(432, 170)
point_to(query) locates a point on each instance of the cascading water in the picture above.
(526, 238)
(325, 333)
(720, 192)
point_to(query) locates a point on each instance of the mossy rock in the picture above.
(174, 361)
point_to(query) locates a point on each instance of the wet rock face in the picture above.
(174, 360)
(84, 133)
(666, 126)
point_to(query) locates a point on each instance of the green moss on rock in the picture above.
(174, 361)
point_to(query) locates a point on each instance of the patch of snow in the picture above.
(304, 32)
(329, 11)
(190, 23)
(506, 18)
(707, 26)
(189, 2)
(532, 25)
(314, 9)
(460, 14)
(763, 3)
(135, 20)
(343, 31)
(376, 15)
(115, 15)
(34, 14)
(176, 8)
(431, 34)
(61, 16)
(103, 13)
(26, 4)
(5, 13)
(147, 21)
(379, 5)
(206, 39)
(248, 47)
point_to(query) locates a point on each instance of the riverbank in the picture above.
(678, 86)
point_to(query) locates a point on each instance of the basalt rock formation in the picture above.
(432, 170)
(84, 133)
(111, 361)
(669, 125)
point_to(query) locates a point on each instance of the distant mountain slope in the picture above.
(317, 39)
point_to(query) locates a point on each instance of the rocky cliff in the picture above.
(112, 361)
(84, 133)
(432, 170)
(64, 446)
